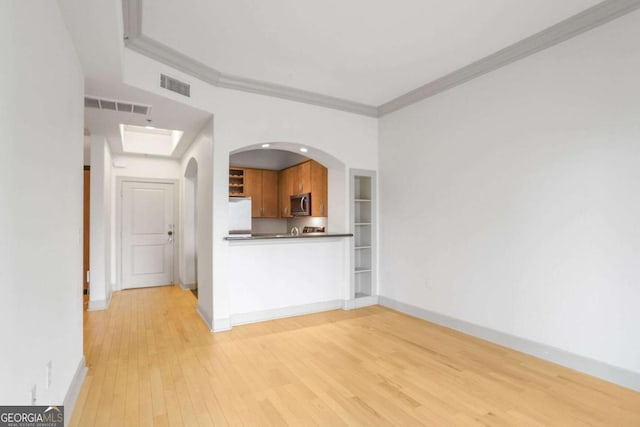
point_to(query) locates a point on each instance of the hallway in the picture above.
(152, 361)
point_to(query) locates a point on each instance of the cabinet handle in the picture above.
(321, 207)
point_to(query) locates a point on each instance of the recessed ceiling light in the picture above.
(304, 150)
(266, 145)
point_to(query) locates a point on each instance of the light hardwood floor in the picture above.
(152, 361)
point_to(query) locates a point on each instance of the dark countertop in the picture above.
(286, 236)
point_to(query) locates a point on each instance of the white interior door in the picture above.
(147, 234)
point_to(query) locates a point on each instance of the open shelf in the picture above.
(236, 182)
(363, 226)
(363, 285)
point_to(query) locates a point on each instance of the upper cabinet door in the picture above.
(318, 190)
(285, 190)
(253, 189)
(269, 194)
(303, 178)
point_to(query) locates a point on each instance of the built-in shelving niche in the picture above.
(363, 227)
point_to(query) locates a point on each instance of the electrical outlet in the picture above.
(49, 377)
(33, 395)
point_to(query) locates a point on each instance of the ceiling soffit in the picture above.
(586, 20)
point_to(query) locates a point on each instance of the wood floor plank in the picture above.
(153, 362)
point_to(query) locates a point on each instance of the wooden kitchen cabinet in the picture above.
(285, 190)
(308, 177)
(253, 189)
(262, 186)
(271, 191)
(302, 178)
(269, 194)
(319, 193)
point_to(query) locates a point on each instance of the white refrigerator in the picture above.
(240, 216)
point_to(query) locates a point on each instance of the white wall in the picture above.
(100, 284)
(200, 151)
(511, 201)
(187, 228)
(243, 119)
(41, 115)
(145, 167)
(264, 276)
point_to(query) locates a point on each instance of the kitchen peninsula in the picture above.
(267, 236)
(290, 263)
(279, 276)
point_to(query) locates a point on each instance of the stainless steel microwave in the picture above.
(301, 204)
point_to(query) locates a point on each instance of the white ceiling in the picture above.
(366, 52)
(165, 114)
(360, 50)
(266, 158)
(96, 29)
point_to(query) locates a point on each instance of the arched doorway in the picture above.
(190, 232)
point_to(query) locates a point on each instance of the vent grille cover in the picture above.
(115, 105)
(175, 85)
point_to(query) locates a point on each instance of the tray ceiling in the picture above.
(368, 54)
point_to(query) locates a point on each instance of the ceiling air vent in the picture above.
(107, 105)
(175, 85)
(115, 105)
(91, 103)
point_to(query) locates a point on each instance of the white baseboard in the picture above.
(187, 286)
(206, 318)
(221, 324)
(360, 302)
(71, 398)
(279, 313)
(614, 374)
(97, 305)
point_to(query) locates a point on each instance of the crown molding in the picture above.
(135, 40)
(586, 20)
(265, 88)
(132, 18)
(564, 30)
(171, 57)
